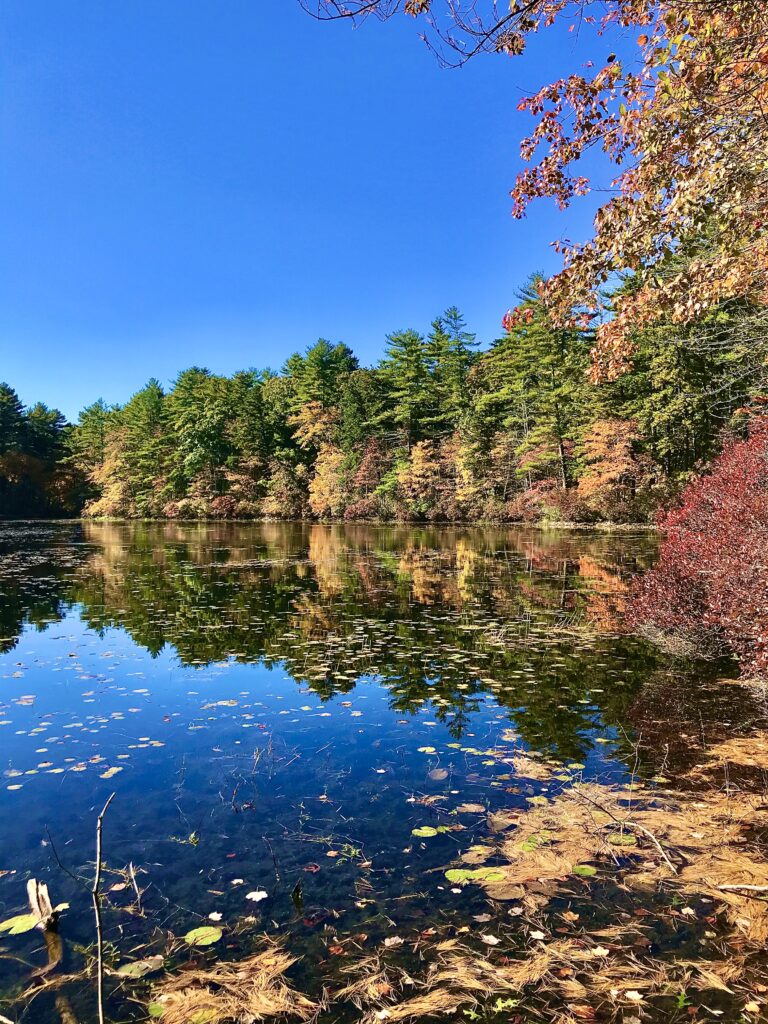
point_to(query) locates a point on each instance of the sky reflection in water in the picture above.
(276, 705)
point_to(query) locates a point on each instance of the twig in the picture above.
(132, 876)
(95, 897)
(656, 843)
(77, 878)
(274, 859)
(631, 824)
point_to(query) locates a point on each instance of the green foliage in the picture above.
(438, 431)
(34, 479)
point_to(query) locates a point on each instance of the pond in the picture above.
(304, 726)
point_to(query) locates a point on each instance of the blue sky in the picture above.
(221, 183)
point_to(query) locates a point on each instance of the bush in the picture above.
(710, 586)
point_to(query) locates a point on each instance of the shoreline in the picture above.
(543, 525)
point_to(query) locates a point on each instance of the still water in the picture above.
(277, 707)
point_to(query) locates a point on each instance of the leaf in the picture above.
(438, 774)
(424, 832)
(156, 1010)
(20, 924)
(140, 968)
(471, 808)
(584, 870)
(257, 896)
(535, 841)
(622, 839)
(474, 875)
(206, 935)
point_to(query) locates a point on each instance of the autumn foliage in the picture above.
(679, 118)
(710, 585)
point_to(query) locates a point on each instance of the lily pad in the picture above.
(438, 774)
(584, 870)
(535, 841)
(474, 875)
(20, 924)
(139, 968)
(622, 839)
(424, 832)
(156, 1010)
(206, 935)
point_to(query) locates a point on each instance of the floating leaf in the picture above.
(584, 870)
(535, 841)
(622, 839)
(19, 924)
(206, 935)
(424, 832)
(139, 968)
(477, 854)
(156, 1010)
(474, 875)
(471, 808)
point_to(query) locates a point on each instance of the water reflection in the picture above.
(274, 695)
(446, 615)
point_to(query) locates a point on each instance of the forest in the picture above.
(441, 430)
(432, 689)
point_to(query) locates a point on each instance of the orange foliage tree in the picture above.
(683, 122)
(616, 472)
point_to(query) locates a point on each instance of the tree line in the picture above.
(439, 430)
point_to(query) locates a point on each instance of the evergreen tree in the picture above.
(407, 375)
(318, 375)
(450, 357)
(531, 386)
(43, 432)
(11, 419)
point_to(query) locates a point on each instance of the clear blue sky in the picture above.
(221, 183)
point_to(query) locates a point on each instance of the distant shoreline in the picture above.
(544, 525)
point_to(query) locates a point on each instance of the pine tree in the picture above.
(532, 386)
(11, 419)
(407, 375)
(318, 375)
(450, 357)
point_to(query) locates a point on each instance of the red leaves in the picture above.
(711, 582)
(517, 317)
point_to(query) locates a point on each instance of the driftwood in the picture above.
(41, 906)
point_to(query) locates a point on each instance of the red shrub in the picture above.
(711, 582)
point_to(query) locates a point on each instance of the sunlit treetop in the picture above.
(682, 120)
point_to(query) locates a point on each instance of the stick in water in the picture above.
(95, 897)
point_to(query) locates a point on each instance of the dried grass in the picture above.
(427, 1004)
(747, 751)
(237, 993)
(699, 846)
(458, 976)
(371, 983)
